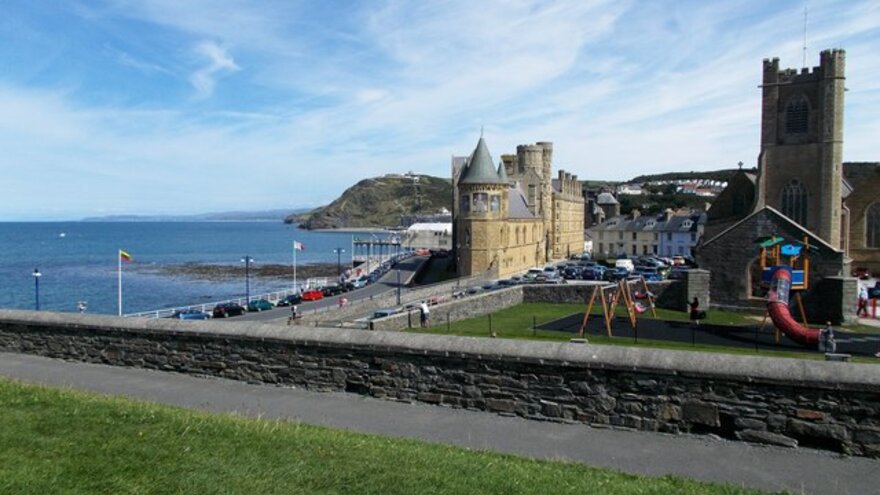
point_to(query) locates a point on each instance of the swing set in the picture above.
(610, 295)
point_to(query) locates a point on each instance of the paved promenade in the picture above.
(800, 471)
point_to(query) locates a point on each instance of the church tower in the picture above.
(482, 207)
(802, 143)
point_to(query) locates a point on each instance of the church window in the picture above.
(794, 201)
(797, 113)
(872, 229)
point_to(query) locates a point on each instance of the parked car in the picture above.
(861, 273)
(533, 273)
(290, 300)
(650, 274)
(551, 272)
(190, 314)
(225, 310)
(331, 290)
(595, 272)
(615, 274)
(259, 305)
(382, 313)
(625, 263)
(572, 272)
(312, 295)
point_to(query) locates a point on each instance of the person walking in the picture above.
(863, 302)
(424, 314)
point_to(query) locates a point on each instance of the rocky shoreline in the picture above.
(202, 271)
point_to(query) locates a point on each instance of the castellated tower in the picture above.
(483, 200)
(800, 172)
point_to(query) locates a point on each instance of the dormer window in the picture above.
(687, 224)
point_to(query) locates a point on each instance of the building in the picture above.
(516, 216)
(800, 191)
(436, 236)
(639, 235)
(600, 206)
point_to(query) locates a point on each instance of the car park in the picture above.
(533, 273)
(596, 272)
(625, 263)
(290, 300)
(225, 310)
(190, 314)
(650, 274)
(331, 290)
(259, 305)
(617, 273)
(312, 295)
(572, 272)
(551, 272)
(506, 283)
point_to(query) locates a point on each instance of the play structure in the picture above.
(785, 268)
(636, 300)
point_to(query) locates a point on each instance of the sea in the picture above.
(78, 261)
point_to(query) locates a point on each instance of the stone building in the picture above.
(600, 206)
(666, 234)
(802, 190)
(515, 217)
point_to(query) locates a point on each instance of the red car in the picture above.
(312, 295)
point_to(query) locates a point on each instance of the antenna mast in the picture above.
(805, 35)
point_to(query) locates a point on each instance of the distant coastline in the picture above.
(228, 216)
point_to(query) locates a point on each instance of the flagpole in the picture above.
(119, 280)
(294, 266)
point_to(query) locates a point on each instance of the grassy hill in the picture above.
(379, 202)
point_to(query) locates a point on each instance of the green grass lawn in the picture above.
(517, 323)
(54, 441)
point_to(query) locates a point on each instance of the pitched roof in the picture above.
(502, 173)
(773, 211)
(480, 169)
(606, 198)
(517, 206)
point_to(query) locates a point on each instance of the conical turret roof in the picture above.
(502, 173)
(480, 169)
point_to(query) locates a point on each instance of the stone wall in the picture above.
(834, 406)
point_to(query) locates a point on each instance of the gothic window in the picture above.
(794, 201)
(495, 203)
(797, 114)
(481, 202)
(465, 203)
(872, 229)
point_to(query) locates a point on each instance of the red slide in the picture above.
(777, 306)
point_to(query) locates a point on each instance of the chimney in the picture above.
(667, 214)
(636, 213)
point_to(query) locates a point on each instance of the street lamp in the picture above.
(247, 260)
(37, 276)
(397, 266)
(338, 252)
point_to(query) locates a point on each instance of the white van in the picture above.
(625, 263)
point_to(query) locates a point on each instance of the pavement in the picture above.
(800, 471)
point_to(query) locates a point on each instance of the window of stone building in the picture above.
(635, 235)
(872, 227)
(620, 236)
(635, 250)
(495, 202)
(601, 247)
(669, 236)
(693, 237)
(797, 115)
(481, 202)
(794, 201)
(465, 203)
(654, 249)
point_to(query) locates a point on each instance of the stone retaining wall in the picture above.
(788, 402)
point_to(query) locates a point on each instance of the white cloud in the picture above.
(219, 63)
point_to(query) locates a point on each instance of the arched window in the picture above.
(794, 201)
(797, 115)
(872, 226)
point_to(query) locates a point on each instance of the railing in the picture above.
(209, 306)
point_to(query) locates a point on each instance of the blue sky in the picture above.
(169, 106)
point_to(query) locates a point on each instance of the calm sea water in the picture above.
(78, 261)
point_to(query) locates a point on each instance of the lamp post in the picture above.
(37, 276)
(247, 260)
(338, 252)
(397, 266)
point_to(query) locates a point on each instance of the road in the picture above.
(801, 471)
(386, 284)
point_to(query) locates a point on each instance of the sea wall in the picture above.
(827, 405)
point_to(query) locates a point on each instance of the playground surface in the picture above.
(747, 337)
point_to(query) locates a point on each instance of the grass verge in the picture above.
(54, 441)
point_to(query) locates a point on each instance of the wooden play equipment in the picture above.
(621, 291)
(795, 258)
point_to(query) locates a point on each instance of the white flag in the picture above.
(299, 246)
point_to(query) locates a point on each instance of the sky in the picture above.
(112, 107)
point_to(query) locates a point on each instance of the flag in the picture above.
(124, 256)
(298, 246)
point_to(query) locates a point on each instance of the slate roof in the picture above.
(606, 199)
(650, 223)
(518, 206)
(480, 169)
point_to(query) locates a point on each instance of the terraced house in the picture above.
(667, 234)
